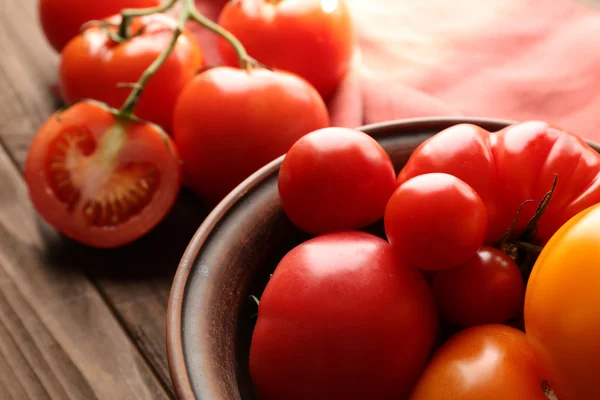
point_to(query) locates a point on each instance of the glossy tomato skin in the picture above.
(341, 318)
(101, 200)
(334, 179)
(486, 289)
(511, 166)
(93, 66)
(62, 19)
(562, 304)
(312, 38)
(230, 122)
(435, 221)
(491, 362)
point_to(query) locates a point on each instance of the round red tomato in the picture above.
(486, 289)
(99, 180)
(435, 221)
(94, 66)
(335, 178)
(486, 362)
(562, 307)
(62, 19)
(312, 38)
(342, 319)
(230, 122)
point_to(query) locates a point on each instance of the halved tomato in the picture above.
(100, 180)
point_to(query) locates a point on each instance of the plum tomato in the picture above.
(230, 122)
(562, 307)
(511, 166)
(312, 38)
(341, 318)
(486, 289)
(491, 362)
(335, 178)
(62, 19)
(99, 180)
(93, 66)
(435, 221)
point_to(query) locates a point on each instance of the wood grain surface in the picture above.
(75, 322)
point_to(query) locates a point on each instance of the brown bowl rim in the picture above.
(175, 354)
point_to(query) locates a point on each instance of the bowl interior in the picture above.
(210, 318)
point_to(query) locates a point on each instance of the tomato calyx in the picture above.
(521, 250)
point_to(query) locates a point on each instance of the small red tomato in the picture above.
(312, 38)
(486, 362)
(62, 19)
(342, 319)
(230, 122)
(334, 179)
(486, 289)
(99, 180)
(94, 66)
(435, 221)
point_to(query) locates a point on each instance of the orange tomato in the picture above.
(486, 362)
(562, 307)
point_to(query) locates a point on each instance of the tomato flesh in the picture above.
(98, 180)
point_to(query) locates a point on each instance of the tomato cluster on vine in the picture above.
(128, 66)
(435, 308)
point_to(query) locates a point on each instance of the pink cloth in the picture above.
(512, 59)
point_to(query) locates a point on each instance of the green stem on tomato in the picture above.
(531, 228)
(245, 60)
(138, 88)
(129, 13)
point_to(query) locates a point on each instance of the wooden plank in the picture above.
(135, 280)
(58, 337)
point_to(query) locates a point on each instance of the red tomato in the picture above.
(562, 307)
(486, 362)
(230, 122)
(342, 319)
(514, 165)
(487, 289)
(435, 221)
(312, 38)
(334, 179)
(99, 180)
(93, 65)
(62, 19)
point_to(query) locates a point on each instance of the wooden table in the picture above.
(75, 323)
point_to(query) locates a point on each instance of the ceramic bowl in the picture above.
(209, 323)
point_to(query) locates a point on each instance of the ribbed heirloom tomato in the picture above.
(62, 19)
(562, 307)
(99, 180)
(312, 38)
(95, 66)
(341, 318)
(230, 122)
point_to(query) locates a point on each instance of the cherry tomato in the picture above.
(334, 179)
(101, 181)
(491, 362)
(562, 305)
(341, 318)
(94, 66)
(435, 221)
(486, 289)
(507, 168)
(312, 38)
(230, 122)
(62, 19)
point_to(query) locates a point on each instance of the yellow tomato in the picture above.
(562, 308)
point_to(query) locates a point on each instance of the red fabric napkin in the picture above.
(512, 59)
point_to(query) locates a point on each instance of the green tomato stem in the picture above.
(246, 62)
(129, 13)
